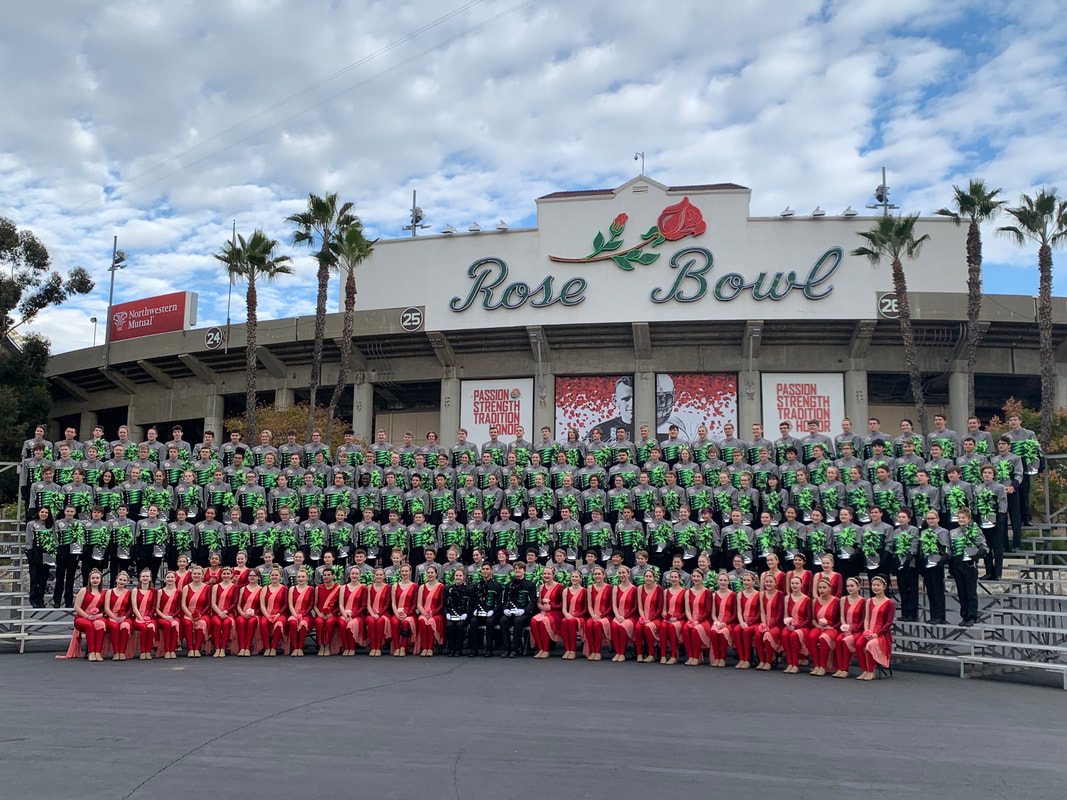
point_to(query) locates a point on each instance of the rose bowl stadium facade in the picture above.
(640, 305)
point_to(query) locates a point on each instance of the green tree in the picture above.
(1042, 220)
(894, 238)
(252, 260)
(976, 204)
(318, 228)
(28, 285)
(350, 249)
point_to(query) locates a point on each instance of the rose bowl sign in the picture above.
(165, 313)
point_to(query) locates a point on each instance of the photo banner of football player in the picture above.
(506, 403)
(797, 397)
(692, 399)
(585, 402)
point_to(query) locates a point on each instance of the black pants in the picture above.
(1024, 500)
(848, 567)
(514, 632)
(908, 586)
(482, 631)
(456, 632)
(1015, 516)
(996, 538)
(965, 573)
(66, 572)
(39, 574)
(934, 582)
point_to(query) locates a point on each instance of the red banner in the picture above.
(162, 314)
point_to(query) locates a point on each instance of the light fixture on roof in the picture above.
(501, 226)
(786, 212)
(448, 230)
(849, 212)
(475, 228)
(818, 212)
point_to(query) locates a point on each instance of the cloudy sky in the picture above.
(162, 123)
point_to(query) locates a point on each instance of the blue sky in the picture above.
(164, 123)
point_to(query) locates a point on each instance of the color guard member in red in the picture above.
(547, 624)
(575, 614)
(649, 615)
(723, 620)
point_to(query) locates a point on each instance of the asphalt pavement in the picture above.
(480, 728)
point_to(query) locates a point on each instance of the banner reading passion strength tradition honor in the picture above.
(797, 397)
(506, 403)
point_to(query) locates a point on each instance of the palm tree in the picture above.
(894, 238)
(317, 227)
(977, 204)
(350, 249)
(1042, 220)
(250, 261)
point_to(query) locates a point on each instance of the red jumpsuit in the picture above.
(723, 618)
(406, 629)
(649, 614)
(213, 576)
(781, 580)
(170, 631)
(697, 629)
(599, 622)
(119, 630)
(327, 614)
(302, 603)
(181, 580)
(248, 627)
(273, 626)
(379, 629)
(795, 638)
(222, 624)
(353, 605)
(853, 617)
(240, 575)
(545, 627)
(431, 629)
(197, 625)
(821, 643)
(769, 632)
(879, 633)
(146, 630)
(578, 607)
(623, 631)
(94, 629)
(743, 635)
(672, 625)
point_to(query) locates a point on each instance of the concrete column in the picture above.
(958, 410)
(1061, 387)
(856, 398)
(86, 424)
(363, 411)
(283, 399)
(750, 405)
(644, 402)
(213, 417)
(544, 410)
(450, 411)
(136, 430)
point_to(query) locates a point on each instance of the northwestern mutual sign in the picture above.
(162, 314)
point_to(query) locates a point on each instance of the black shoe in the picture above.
(513, 654)
(488, 654)
(967, 623)
(506, 654)
(938, 622)
(472, 654)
